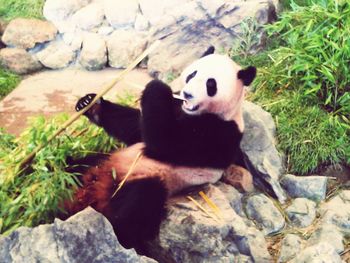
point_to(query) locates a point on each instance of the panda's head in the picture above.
(214, 84)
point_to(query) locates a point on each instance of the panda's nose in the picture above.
(187, 95)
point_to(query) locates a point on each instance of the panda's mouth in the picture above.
(190, 107)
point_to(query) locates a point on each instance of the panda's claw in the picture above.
(84, 101)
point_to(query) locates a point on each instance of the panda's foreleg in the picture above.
(158, 122)
(119, 121)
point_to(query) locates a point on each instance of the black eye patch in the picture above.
(191, 76)
(211, 87)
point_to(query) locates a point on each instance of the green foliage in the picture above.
(34, 196)
(303, 80)
(8, 81)
(315, 53)
(10, 9)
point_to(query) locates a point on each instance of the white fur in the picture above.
(227, 102)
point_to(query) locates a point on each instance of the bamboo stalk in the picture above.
(109, 86)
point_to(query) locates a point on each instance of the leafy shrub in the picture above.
(314, 55)
(34, 195)
(10, 9)
(304, 81)
(8, 81)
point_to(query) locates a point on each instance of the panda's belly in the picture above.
(176, 178)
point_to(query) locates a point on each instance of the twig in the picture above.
(202, 208)
(29, 157)
(131, 169)
(211, 204)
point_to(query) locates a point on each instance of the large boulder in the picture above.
(56, 55)
(190, 235)
(26, 33)
(85, 237)
(124, 46)
(93, 55)
(19, 61)
(259, 148)
(58, 10)
(188, 28)
(121, 13)
(89, 17)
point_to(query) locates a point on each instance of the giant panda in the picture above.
(184, 143)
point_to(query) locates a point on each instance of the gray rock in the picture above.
(85, 237)
(58, 10)
(233, 196)
(25, 33)
(258, 146)
(90, 16)
(189, 235)
(290, 248)
(105, 30)
(311, 187)
(301, 212)
(141, 23)
(121, 14)
(328, 234)
(320, 253)
(337, 211)
(19, 61)
(73, 39)
(124, 46)
(262, 210)
(154, 15)
(187, 29)
(93, 55)
(56, 55)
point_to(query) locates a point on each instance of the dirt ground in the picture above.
(51, 92)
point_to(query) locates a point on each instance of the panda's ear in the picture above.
(209, 51)
(247, 75)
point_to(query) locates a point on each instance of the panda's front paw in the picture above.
(94, 112)
(156, 94)
(85, 101)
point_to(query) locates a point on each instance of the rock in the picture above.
(141, 23)
(328, 234)
(301, 212)
(74, 40)
(262, 210)
(3, 26)
(124, 46)
(322, 252)
(105, 30)
(186, 29)
(290, 248)
(25, 33)
(189, 235)
(58, 10)
(239, 178)
(56, 55)
(154, 15)
(259, 148)
(90, 16)
(121, 14)
(85, 237)
(233, 196)
(19, 61)
(311, 187)
(337, 211)
(93, 55)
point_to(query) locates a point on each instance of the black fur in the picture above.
(209, 51)
(211, 87)
(202, 140)
(247, 75)
(137, 211)
(169, 134)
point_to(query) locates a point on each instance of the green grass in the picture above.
(303, 80)
(8, 81)
(34, 196)
(10, 9)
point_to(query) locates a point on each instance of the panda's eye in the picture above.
(211, 87)
(191, 76)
